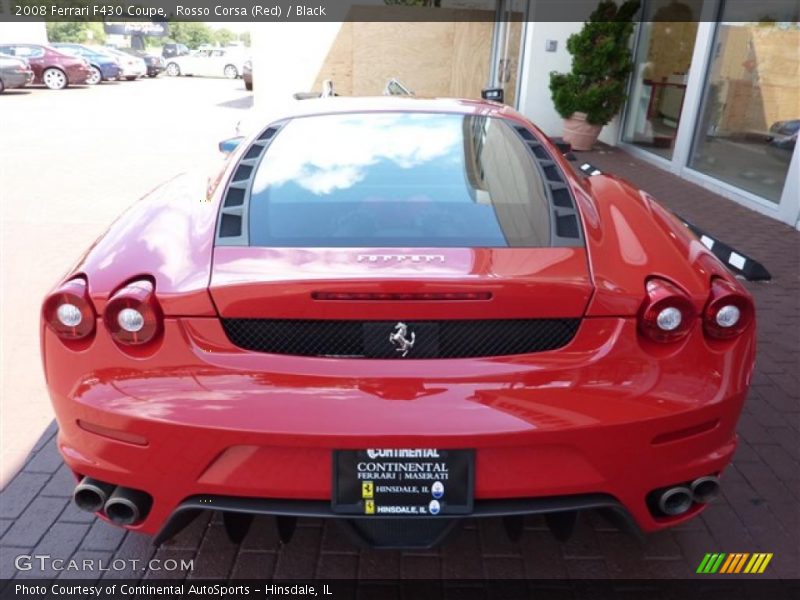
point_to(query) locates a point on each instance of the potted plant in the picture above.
(591, 94)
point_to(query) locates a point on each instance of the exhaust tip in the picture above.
(91, 494)
(127, 506)
(675, 501)
(705, 489)
(122, 511)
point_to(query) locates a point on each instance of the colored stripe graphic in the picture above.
(737, 563)
(754, 562)
(734, 563)
(765, 563)
(729, 563)
(714, 563)
(715, 567)
(741, 562)
(703, 563)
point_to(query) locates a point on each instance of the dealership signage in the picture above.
(151, 28)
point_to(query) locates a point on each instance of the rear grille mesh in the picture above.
(370, 339)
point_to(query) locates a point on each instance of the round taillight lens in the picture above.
(728, 312)
(69, 312)
(667, 312)
(132, 315)
(669, 318)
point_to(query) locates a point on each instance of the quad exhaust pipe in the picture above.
(122, 506)
(127, 506)
(705, 489)
(91, 494)
(676, 500)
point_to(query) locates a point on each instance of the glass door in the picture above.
(666, 40)
(507, 48)
(750, 117)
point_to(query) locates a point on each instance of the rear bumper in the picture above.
(131, 71)
(603, 415)
(17, 80)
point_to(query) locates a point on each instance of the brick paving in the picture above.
(757, 512)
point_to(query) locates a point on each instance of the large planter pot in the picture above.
(579, 133)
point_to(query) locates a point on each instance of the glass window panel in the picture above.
(748, 125)
(664, 54)
(398, 180)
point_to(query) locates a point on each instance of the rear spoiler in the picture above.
(738, 262)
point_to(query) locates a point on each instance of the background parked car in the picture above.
(14, 73)
(154, 63)
(247, 74)
(132, 67)
(171, 50)
(219, 62)
(103, 66)
(782, 139)
(50, 66)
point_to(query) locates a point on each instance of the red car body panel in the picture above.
(611, 412)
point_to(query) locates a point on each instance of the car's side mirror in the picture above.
(229, 145)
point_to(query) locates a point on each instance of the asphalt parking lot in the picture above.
(78, 157)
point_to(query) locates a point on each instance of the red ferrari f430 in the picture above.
(397, 313)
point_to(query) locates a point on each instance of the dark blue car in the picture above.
(104, 67)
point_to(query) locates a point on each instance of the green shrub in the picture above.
(601, 64)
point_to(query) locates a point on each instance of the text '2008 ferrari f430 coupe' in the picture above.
(397, 313)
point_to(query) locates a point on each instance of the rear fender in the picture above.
(167, 235)
(630, 237)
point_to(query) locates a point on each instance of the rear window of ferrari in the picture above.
(398, 180)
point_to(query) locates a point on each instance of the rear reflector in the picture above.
(114, 434)
(679, 434)
(423, 296)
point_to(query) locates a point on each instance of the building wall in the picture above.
(447, 58)
(537, 63)
(433, 59)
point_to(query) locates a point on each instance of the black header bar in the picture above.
(243, 11)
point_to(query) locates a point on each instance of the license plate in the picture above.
(413, 482)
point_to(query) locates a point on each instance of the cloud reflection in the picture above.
(306, 157)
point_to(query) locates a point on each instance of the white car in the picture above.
(217, 62)
(131, 67)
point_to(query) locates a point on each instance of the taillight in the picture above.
(667, 313)
(728, 312)
(69, 312)
(132, 315)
